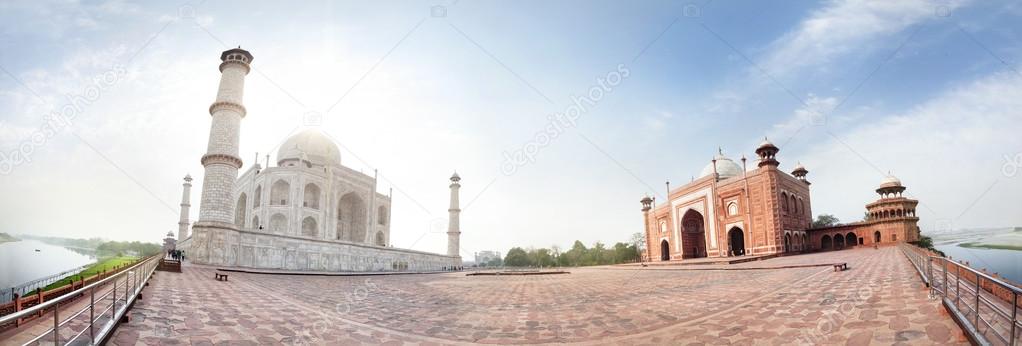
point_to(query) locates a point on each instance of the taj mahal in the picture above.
(307, 213)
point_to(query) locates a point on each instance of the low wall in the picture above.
(241, 248)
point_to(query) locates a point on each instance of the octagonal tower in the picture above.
(221, 163)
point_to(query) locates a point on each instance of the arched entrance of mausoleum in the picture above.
(736, 242)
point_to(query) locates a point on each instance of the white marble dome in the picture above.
(726, 167)
(890, 181)
(312, 146)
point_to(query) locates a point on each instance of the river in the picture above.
(20, 263)
(1007, 263)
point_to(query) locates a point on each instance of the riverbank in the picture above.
(7, 238)
(102, 266)
(995, 249)
(975, 245)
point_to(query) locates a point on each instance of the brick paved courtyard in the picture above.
(879, 300)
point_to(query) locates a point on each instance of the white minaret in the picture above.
(182, 224)
(454, 224)
(221, 162)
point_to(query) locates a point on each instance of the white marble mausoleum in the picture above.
(307, 213)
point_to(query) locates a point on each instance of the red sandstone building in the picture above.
(732, 211)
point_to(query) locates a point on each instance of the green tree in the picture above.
(639, 241)
(576, 256)
(555, 253)
(625, 253)
(597, 254)
(825, 220)
(516, 257)
(543, 258)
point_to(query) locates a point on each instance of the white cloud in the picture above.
(847, 26)
(657, 122)
(947, 150)
(813, 113)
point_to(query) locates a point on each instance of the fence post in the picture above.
(958, 289)
(92, 314)
(1014, 315)
(977, 300)
(39, 293)
(946, 293)
(17, 306)
(56, 324)
(929, 270)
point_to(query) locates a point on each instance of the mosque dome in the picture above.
(890, 181)
(312, 146)
(726, 167)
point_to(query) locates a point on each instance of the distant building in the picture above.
(484, 257)
(169, 243)
(733, 211)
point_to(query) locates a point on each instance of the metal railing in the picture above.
(8, 295)
(108, 301)
(918, 259)
(987, 307)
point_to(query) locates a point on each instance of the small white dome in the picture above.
(726, 167)
(766, 143)
(312, 146)
(799, 166)
(890, 181)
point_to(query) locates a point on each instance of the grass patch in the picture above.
(990, 246)
(106, 264)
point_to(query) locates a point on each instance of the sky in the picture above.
(929, 91)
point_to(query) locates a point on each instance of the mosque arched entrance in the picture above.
(839, 242)
(825, 243)
(876, 237)
(736, 242)
(851, 240)
(693, 235)
(787, 243)
(665, 250)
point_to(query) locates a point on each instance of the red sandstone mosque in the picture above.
(732, 211)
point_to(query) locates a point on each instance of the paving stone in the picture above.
(881, 301)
